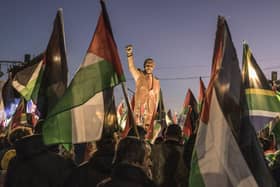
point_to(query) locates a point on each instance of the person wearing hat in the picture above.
(147, 89)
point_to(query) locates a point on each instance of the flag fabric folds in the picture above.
(201, 95)
(160, 114)
(25, 79)
(129, 119)
(55, 75)
(88, 103)
(160, 119)
(10, 96)
(217, 159)
(2, 109)
(262, 102)
(122, 114)
(19, 118)
(256, 92)
(189, 114)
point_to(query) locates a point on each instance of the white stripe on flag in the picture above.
(90, 59)
(88, 119)
(220, 160)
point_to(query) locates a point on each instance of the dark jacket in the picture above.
(94, 171)
(35, 166)
(168, 167)
(126, 175)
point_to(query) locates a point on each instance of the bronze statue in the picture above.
(147, 88)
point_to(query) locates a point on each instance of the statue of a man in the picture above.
(147, 89)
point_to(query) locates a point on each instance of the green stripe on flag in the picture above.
(195, 179)
(34, 95)
(61, 132)
(27, 91)
(88, 81)
(263, 102)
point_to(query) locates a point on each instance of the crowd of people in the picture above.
(116, 160)
(113, 161)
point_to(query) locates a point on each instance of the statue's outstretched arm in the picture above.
(130, 60)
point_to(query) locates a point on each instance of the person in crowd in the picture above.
(147, 89)
(18, 133)
(34, 165)
(7, 150)
(4, 144)
(159, 140)
(168, 167)
(275, 167)
(142, 135)
(99, 165)
(141, 131)
(129, 165)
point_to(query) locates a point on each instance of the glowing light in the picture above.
(56, 58)
(10, 110)
(252, 73)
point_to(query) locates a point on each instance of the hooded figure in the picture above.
(35, 166)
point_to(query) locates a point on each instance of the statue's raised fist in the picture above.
(129, 50)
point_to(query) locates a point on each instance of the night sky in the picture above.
(178, 34)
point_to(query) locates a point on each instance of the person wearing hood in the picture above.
(35, 166)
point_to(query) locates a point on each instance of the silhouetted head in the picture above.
(108, 138)
(173, 132)
(18, 133)
(130, 150)
(142, 132)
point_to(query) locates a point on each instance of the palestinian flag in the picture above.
(160, 119)
(129, 119)
(122, 114)
(19, 118)
(189, 114)
(55, 75)
(10, 96)
(160, 114)
(217, 159)
(25, 80)
(88, 103)
(262, 102)
(201, 95)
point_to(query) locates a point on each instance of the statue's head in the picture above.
(149, 65)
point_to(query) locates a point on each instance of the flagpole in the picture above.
(160, 109)
(130, 113)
